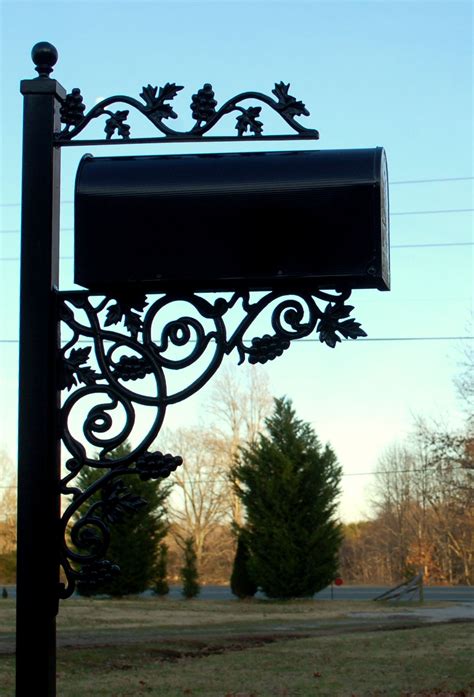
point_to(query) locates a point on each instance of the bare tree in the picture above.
(464, 382)
(423, 503)
(392, 502)
(199, 505)
(204, 504)
(365, 555)
(449, 459)
(423, 510)
(8, 499)
(239, 403)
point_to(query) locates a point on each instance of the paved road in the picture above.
(455, 594)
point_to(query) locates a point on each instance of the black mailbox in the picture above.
(267, 220)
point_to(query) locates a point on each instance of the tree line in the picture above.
(255, 502)
(423, 513)
(422, 503)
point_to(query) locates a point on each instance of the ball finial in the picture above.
(44, 56)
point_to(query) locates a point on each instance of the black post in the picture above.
(38, 437)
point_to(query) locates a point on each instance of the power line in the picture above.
(437, 212)
(414, 470)
(308, 340)
(427, 212)
(408, 338)
(344, 474)
(392, 183)
(429, 181)
(432, 244)
(16, 231)
(11, 204)
(18, 258)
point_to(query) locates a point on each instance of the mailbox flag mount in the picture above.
(289, 220)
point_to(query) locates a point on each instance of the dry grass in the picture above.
(381, 664)
(231, 649)
(162, 612)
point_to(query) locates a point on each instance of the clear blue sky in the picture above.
(396, 74)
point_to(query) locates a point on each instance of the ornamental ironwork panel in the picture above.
(157, 108)
(134, 344)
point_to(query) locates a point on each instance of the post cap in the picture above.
(44, 56)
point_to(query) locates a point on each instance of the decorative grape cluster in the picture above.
(98, 572)
(132, 368)
(266, 348)
(73, 108)
(203, 105)
(157, 466)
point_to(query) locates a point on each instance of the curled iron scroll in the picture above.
(116, 346)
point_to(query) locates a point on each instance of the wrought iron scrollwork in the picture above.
(139, 342)
(157, 108)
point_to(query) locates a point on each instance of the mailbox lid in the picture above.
(218, 221)
(225, 173)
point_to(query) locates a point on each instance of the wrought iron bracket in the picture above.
(138, 340)
(156, 107)
(118, 352)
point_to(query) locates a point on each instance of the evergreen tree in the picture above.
(161, 582)
(289, 486)
(241, 583)
(189, 572)
(134, 535)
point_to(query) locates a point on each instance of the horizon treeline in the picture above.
(422, 513)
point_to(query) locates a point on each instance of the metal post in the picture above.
(38, 442)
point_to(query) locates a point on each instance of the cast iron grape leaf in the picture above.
(73, 370)
(248, 121)
(330, 324)
(156, 103)
(288, 104)
(118, 501)
(125, 309)
(116, 123)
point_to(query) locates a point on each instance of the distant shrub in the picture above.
(241, 582)
(189, 572)
(161, 583)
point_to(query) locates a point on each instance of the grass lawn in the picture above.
(124, 648)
